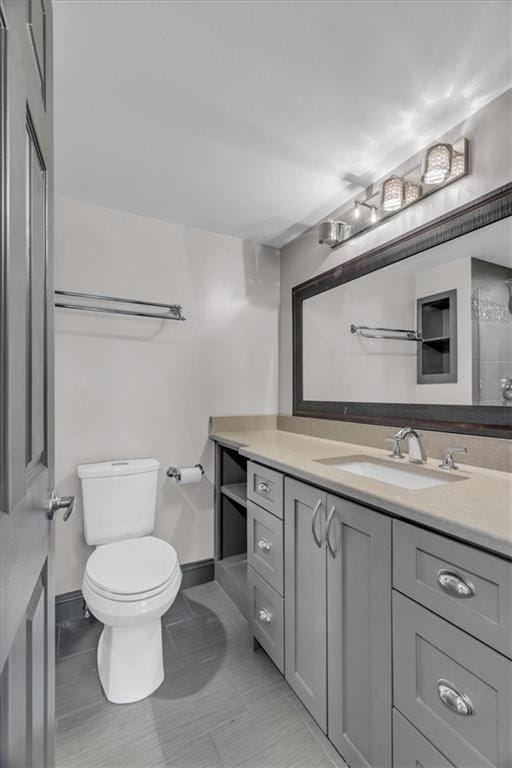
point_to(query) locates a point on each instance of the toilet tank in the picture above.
(119, 499)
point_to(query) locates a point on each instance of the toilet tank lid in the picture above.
(117, 468)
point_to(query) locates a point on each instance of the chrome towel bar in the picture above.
(173, 310)
(408, 334)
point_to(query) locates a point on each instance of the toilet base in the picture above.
(130, 661)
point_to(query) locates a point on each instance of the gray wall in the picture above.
(490, 164)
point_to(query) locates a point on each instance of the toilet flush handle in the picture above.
(67, 503)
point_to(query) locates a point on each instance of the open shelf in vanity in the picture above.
(231, 523)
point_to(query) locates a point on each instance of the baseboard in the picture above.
(198, 572)
(70, 605)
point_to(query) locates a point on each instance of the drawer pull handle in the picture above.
(265, 615)
(263, 487)
(455, 584)
(316, 510)
(451, 698)
(264, 545)
(328, 524)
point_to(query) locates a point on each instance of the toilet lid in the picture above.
(132, 566)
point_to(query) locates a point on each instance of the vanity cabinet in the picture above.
(396, 638)
(338, 618)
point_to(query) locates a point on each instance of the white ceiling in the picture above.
(255, 119)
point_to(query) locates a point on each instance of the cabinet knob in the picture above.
(265, 615)
(264, 545)
(263, 487)
(453, 699)
(455, 584)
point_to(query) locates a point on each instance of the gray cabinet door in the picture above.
(453, 688)
(470, 588)
(265, 487)
(265, 614)
(411, 748)
(265, 545)
(306, 597)
(359, 633)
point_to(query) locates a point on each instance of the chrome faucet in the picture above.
(417, 452)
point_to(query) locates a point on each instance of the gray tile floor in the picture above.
(221, 705)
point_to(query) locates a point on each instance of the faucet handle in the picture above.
(396, 452)
(448, 462)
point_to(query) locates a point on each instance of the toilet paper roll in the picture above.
(189, 475)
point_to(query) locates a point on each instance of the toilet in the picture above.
(131, 579)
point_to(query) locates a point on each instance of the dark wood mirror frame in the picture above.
(490, 421)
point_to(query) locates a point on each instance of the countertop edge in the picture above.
(447, 527)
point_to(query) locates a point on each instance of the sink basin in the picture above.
(401, 475)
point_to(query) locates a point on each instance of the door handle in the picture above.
(328, 524)
(314, 516)
(67, 503)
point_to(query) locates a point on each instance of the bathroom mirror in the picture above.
(418, 331)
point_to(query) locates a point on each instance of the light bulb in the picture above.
(373, 215)
(357, 209)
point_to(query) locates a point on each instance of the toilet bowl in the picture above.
(131, 579)
(128, 585)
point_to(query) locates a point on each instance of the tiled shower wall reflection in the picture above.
(492, 333)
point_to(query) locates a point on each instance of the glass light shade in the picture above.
(458, 164)
(393, 193)
(438, 163)
(331, 232)
(412, 192)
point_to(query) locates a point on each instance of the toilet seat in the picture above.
(136, 597)
(132, 570)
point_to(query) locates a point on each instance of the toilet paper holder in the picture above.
(175, 473)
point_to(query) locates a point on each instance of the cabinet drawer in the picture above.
(471, 588)
(266, 617)
(265, 545)
(265, 487)
(454, 689)
(411, 749)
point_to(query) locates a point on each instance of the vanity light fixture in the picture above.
(438, 163)
(393, 193)
(412, 192)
